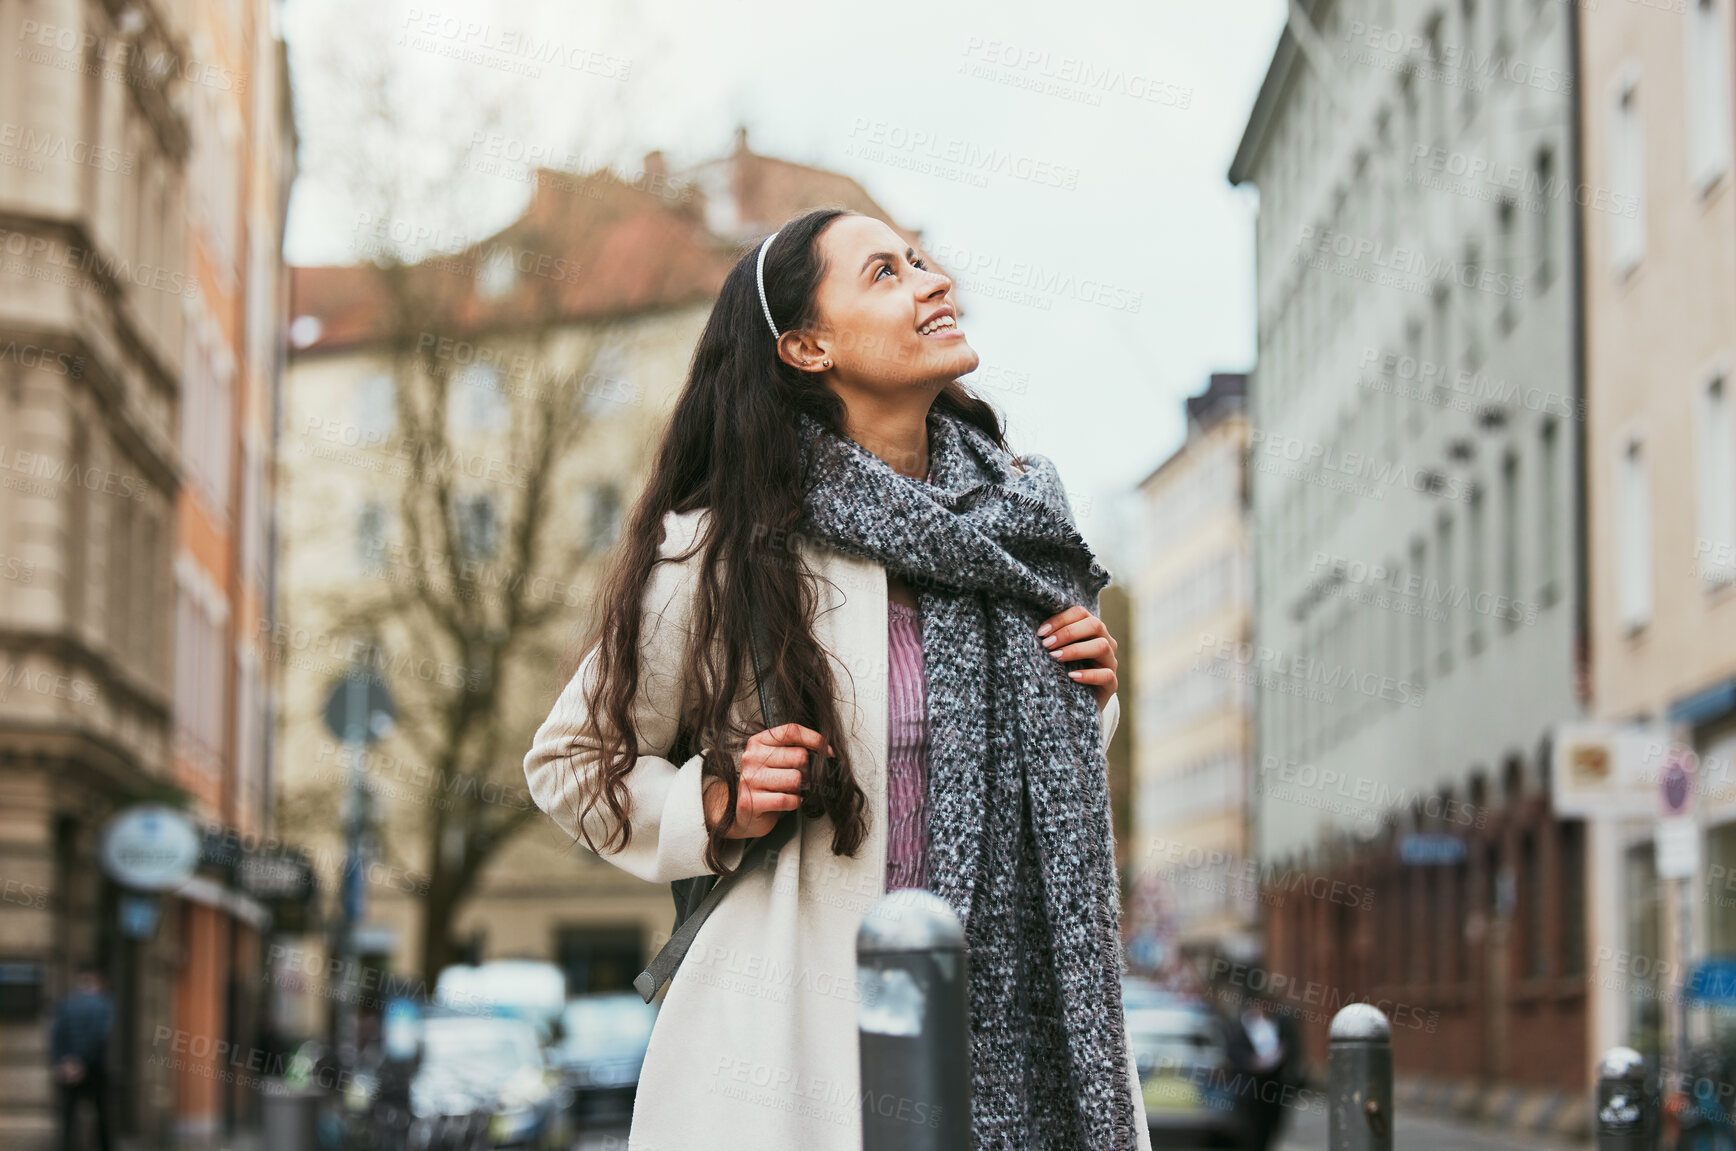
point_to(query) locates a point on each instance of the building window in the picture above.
(1720, 865)
(1572, 897)
(1627, 173)
(371, 539)
(497, 275)
(1509, 541)
(1468, 24)
(1549, 510)
(481, 399)
(1543, 234)
(605, 516)
(1448, 595)
(76, 503)
(1459, 944)
(1634, 536)
(1419, 622)
(1708, 93)
(1474, 314)
(1716, 545)
(1437, 92)
(1506, 265)
(1474, 570)
(477, 526)
(1643, 935)
(1534, 907)
(376, 407)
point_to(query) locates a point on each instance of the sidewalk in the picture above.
(240, 1141)
(1308, 1131)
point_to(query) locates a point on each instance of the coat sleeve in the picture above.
(1110, 718)
(665, 809)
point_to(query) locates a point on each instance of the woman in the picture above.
(931, 612)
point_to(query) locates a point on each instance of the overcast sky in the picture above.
(1110, 193)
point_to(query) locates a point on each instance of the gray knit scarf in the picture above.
(1019, 836)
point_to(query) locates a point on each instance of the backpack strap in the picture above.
(663, 966)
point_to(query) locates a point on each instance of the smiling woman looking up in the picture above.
(930, 609)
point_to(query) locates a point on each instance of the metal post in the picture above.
(914, 1022)
(1627, 1104)
(1359, 1075)
(352, 890)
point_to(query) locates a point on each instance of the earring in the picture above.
(826, 363)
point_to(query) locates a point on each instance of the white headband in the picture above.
(760, 277)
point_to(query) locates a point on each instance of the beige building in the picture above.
(145, 156)
(1193, 887)
(1660, 339)
(588, 307)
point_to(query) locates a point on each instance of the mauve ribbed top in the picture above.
(907, 751)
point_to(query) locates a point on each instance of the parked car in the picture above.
(493, 1065)
(528, 988)
(1181, 1052)
(601, 1051)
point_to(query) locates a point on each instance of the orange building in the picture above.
(145, 157)
(240, 163)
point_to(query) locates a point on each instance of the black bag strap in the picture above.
(663, 965)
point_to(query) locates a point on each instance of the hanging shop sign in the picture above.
(150, 847)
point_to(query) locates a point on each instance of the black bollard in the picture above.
(1627, 1104)
(1359, 1080)
(914, 1023)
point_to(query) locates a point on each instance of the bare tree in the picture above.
(494, 541)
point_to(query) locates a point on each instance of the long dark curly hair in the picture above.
(732, 446)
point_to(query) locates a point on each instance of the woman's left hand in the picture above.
(1077, 634)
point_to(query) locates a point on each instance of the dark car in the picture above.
(602, 1048)
(1181, 1050)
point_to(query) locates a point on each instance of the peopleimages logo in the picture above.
(1364, 790)
(1457, 64)
(1407, 268)
(1356, 465)
(1275, 666)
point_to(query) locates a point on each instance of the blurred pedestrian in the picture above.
(78, 1046)
(930, 608)
(1265, 1049)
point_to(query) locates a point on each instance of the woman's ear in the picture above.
(802, 350)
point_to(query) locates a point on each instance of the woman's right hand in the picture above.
(773, 768)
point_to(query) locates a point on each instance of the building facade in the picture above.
(145, 156)
(1193, 877)
(1413, 462)
(1660, 292)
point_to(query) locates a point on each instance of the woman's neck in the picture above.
(898, 436)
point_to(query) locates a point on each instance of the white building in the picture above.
(1414, 455)
(1191, 871)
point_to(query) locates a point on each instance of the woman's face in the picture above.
(886, 320)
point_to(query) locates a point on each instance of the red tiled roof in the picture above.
(587, 247)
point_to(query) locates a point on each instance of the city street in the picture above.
(456, 476)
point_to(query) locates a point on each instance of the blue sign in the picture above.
(1712, 981)
(1431, 849)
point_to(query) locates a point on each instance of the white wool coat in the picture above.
(755, 1048)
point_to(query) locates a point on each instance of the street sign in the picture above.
(139, 915)
(150, 847)
(362, 698)
(1602, 770)
(1427, 849)
(1713, 980)
(1678, 847)
(1675, 783)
